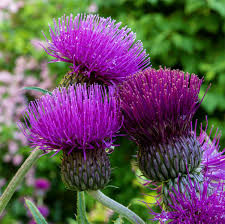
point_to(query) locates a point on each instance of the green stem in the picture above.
(81, 208)
(116, 207)
(17, 179)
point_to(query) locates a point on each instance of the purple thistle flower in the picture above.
(97, 48)
(82, 122)
(194, 206)
(159, 105)
(42, 184)
(73, 119)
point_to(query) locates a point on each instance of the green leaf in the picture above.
(38, 89)
(39, 219)
(217, 5)
(193, 5)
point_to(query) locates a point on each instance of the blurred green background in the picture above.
(183, 34)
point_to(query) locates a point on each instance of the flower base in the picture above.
(85, 174)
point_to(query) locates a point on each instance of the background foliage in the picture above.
(183, 34)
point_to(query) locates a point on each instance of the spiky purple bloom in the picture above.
(42, 184)
(79, 118)
(97, 48)
(159, 105)
(195, 206)
(82, 122)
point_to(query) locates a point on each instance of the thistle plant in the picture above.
(82, 117)
(81, 122)
(110, 85)
(158, 107)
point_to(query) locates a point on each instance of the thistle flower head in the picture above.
(79, 118)
(195, 206)
(158, 105)
(97, 48)
(82, 122)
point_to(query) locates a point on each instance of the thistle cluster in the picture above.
(158, 108)
(82, 117)
(110, 84)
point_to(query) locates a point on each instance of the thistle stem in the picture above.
(17, 179)
(81, 208)
(116, 207)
